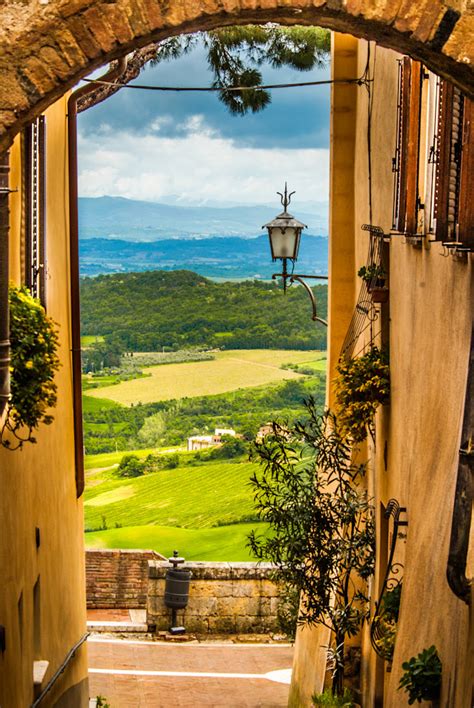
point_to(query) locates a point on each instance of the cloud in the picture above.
(296, 118)
(200, 164)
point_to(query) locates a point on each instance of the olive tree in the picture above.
(321, 525)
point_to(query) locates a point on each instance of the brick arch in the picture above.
(48, 45)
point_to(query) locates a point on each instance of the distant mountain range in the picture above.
(121, 235)
(130, 220)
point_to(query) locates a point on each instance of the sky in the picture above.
(187, 148)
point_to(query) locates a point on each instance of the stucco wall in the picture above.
(236, 598)
(37, 485)
(427, 326)
(117, 578)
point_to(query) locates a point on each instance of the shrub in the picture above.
(231, 447)
(130, 466)
(322, 529)
(34, 362)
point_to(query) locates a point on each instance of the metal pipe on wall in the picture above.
(4, 272)
(458, 581)
(111, 75)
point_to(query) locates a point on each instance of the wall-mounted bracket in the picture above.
(294, 278)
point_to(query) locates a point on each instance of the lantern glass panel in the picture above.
(284, 242)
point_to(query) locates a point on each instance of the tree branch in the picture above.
(135, 63)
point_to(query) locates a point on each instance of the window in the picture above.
(35, 223)
(445, 201)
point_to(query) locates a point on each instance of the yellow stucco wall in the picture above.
(37, 484)
(427, 325)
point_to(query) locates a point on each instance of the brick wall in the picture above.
(234, 598)
(118, 578)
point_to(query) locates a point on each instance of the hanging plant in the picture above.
(34, 361)
(362, 386)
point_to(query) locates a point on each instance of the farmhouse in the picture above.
(201, 442)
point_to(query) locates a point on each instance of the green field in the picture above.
(203, 509)
(229, 371)
(226, 543)
(87, 340)
(201, 496)
(96, 404)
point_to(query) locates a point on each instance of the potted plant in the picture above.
(34, 362)
(387, 618)
(375, 277)
(422, 677)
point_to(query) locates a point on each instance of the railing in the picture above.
(365, 312)
(384, 621)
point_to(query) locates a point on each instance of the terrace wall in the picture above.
(117, 578)
(234, 598)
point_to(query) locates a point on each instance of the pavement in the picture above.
(116, 621)
(136, 673)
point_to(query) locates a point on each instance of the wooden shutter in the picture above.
(449, 161)
(466, 180)
(412, 157)
(402, 144)
(35, 208)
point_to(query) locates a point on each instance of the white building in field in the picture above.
(201, 442)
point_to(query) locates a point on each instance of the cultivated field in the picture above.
(203, 509)
(200, 496)
(225, 543)
(229, 371)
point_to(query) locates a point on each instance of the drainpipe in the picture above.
(111, 75)
(459, 583)
(4, 308)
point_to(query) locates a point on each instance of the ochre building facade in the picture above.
(42, 587)
(400, 166)
(424, 242)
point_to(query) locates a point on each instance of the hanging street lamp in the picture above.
(284, 233)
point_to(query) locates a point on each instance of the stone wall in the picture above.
(234, 598)
(118, 578)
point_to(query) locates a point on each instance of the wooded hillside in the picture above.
(151, 310)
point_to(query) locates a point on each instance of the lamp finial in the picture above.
(285, 198)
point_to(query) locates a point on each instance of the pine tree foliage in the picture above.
(234, 55)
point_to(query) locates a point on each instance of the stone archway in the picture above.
(48, 45)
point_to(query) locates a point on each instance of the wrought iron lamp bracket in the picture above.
(295, 278)
(392, 579)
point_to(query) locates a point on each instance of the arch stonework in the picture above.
(48, 45)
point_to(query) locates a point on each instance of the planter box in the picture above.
(379, 294)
